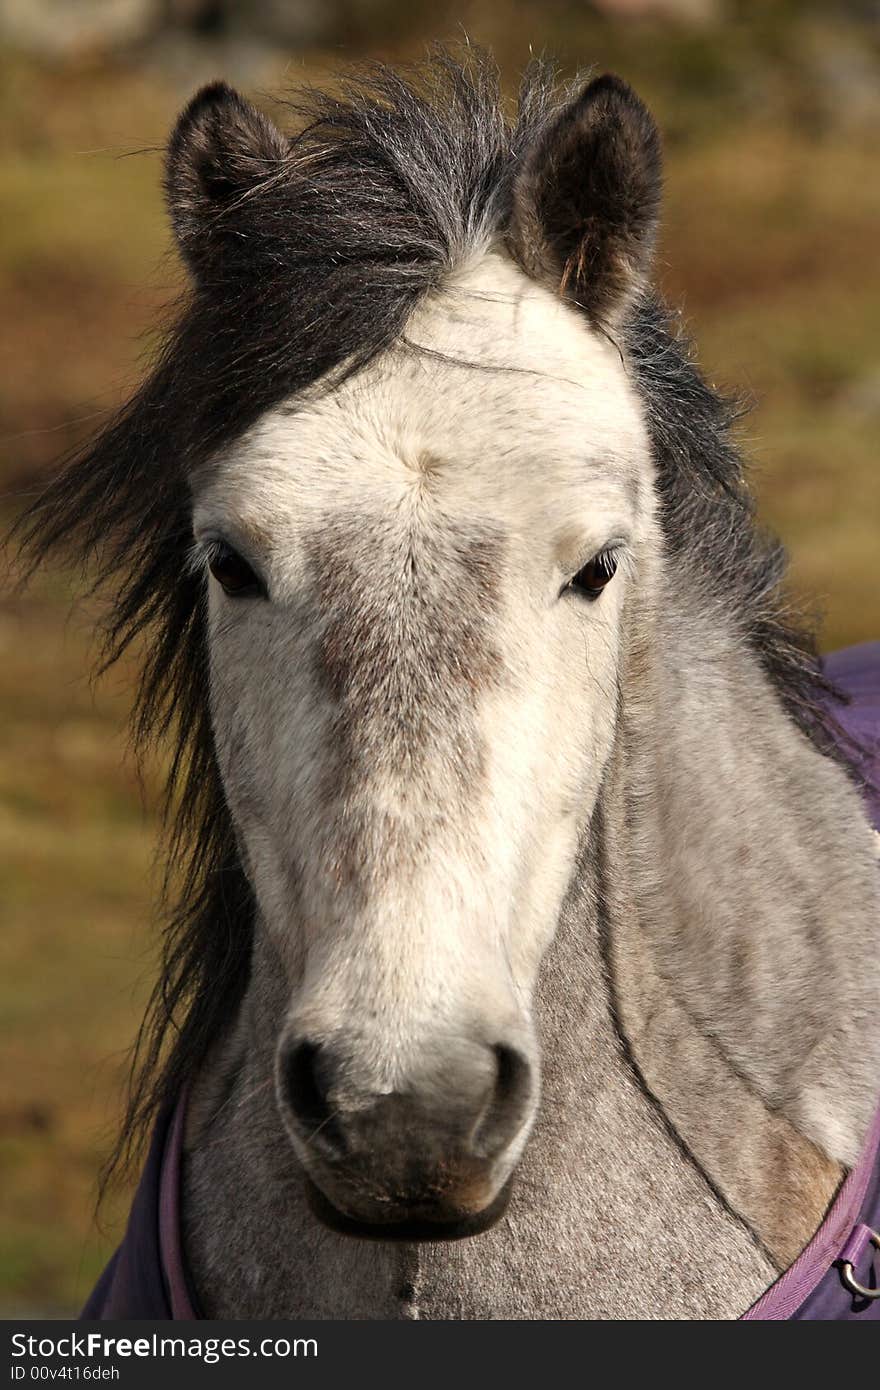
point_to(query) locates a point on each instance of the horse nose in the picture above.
(307, 1074)
(471, 1104)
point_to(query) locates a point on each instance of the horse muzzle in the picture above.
(430, 1160)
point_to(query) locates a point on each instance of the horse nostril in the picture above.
(305, 1087)
(509, 1103)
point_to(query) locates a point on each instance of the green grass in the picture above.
(75, 883)
(771, 227)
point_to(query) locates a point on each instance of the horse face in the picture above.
(419, 581)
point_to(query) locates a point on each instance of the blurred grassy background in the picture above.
(773, 211)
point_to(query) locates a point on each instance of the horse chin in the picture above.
(422, 1225)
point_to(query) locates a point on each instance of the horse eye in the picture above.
(596, 573)
(233, 574)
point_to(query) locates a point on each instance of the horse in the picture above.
(520, 955)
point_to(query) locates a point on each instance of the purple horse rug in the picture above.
(147, 1277)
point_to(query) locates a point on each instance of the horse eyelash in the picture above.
(618, 551)
(197, 557)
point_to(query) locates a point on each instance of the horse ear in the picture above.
(586, 200)
(221, 148)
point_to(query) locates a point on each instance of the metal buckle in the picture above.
(847, 1273)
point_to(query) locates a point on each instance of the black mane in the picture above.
(394, 182)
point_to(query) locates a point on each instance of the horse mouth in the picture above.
(424, 1223)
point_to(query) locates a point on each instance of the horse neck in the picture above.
(704, 1069)
(738, 873)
